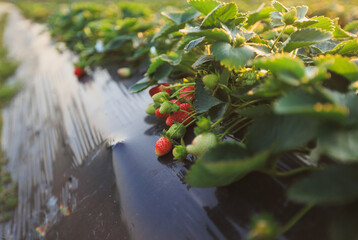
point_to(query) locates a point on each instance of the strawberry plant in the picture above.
(280, 81)
(101, 34)
(275, 79)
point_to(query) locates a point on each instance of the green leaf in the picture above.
(335, 184)
(193, 43)
(203, 59)
(287, 68)
(255, 111)
(223, 164)
(282, 133)
(350, 27)
(204, 6)
(304, 23)
(325, 46)
(180, 17)
(203, 98)
(340, 33)
(215, 34)
(162, 72)
(349, 47)
(290, 17)
(276, 19)
(222, 13)
(258, 15)
(305, 37)
(218, 111)
(344, 224)
(140, 85)
(279, 6)
(339, 143)
(117, 42)
(340, 65)
(232, 58)
(301, 11)
(302, 102)
(156, 62)
(323, 23)
(168, 29)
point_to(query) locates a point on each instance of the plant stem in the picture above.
(295, 171)
(296, 218)
(279, 36)
(180, 85)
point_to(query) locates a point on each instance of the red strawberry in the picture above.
(79, 71)
(163, 146)
(187, 93)
(181, 116)
(159, 88)
(176, 101)
(159, 115)
(186, 107)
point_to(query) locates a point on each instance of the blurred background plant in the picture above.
(8, 189)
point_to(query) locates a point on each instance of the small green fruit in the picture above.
(168, 107)
(176, 131)
(210, 81)
(151, 108)
(124, 72)
(263, 227)
(202, 143)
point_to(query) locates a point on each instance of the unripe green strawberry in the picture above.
(210, 81)
(151, 108)
(202, 143)
(160, 97)
(168, 107)
(124, 72)
(179, 152)
(176, 131)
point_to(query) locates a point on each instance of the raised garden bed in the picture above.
(282, 84)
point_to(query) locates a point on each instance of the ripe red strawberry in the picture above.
(181, 116)
(163, 146)
(159, 88)
(176, 101)
(187, 93)
(159, 115)
(79, 71)
(186, 107)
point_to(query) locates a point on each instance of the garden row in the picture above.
(8, 189)
(274, 78)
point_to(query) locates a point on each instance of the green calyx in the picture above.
(179, 152)
(160, 97)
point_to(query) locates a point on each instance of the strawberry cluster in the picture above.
(176, 108)
(174, 103)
